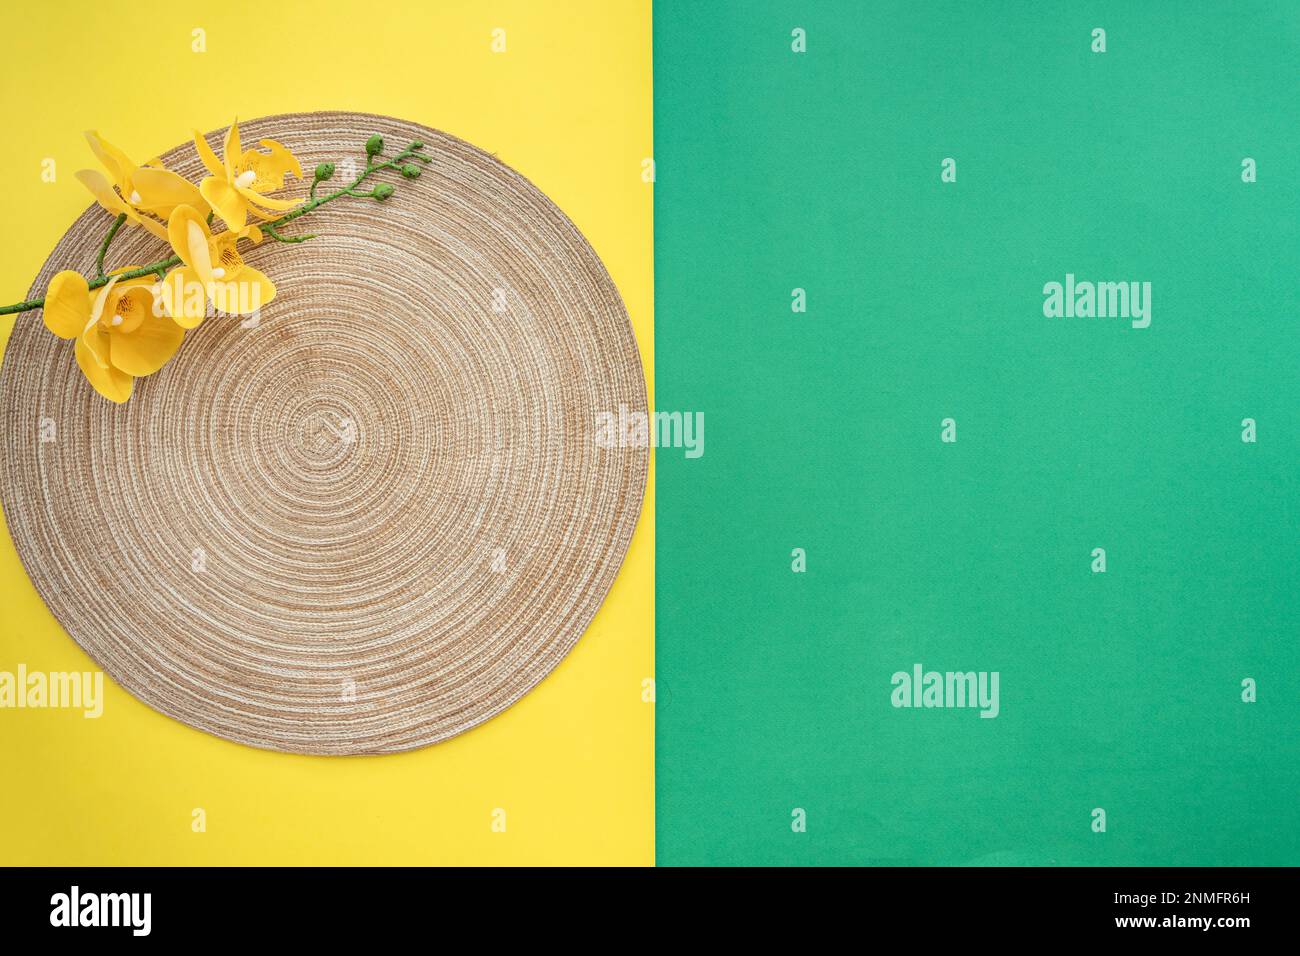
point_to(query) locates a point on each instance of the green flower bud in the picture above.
(374, 144)
(324, 171)
(410, 170)
(418, 144)
(383, 191)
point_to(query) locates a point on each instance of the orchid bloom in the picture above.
(138, 192)
(213, 271)
(240, 180)
(119, 333)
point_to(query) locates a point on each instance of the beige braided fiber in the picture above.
(371, 521)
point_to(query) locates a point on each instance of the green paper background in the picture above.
(1118, 690)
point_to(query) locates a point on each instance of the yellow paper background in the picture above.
(568, 104)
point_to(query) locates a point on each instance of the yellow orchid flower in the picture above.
(137, 190)
(213, 271)
(120, 334)
(240, 179)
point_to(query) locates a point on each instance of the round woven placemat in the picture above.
(374, 519)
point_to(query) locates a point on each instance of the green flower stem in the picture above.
(270, 231)
(397, 163)
(112, 231)
(160, 267)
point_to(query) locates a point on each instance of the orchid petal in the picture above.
(281, 160)
(112, 383)
(148, 348)
(231, 151)
(183, 228)
(228, 202)
(67, 304)
(206, 154)
(113, 159)
(104, 194)
(243, 294)
(184, 297)
(267, 201)
(162, 190)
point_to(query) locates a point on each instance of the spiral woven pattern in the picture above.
(377, 517)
